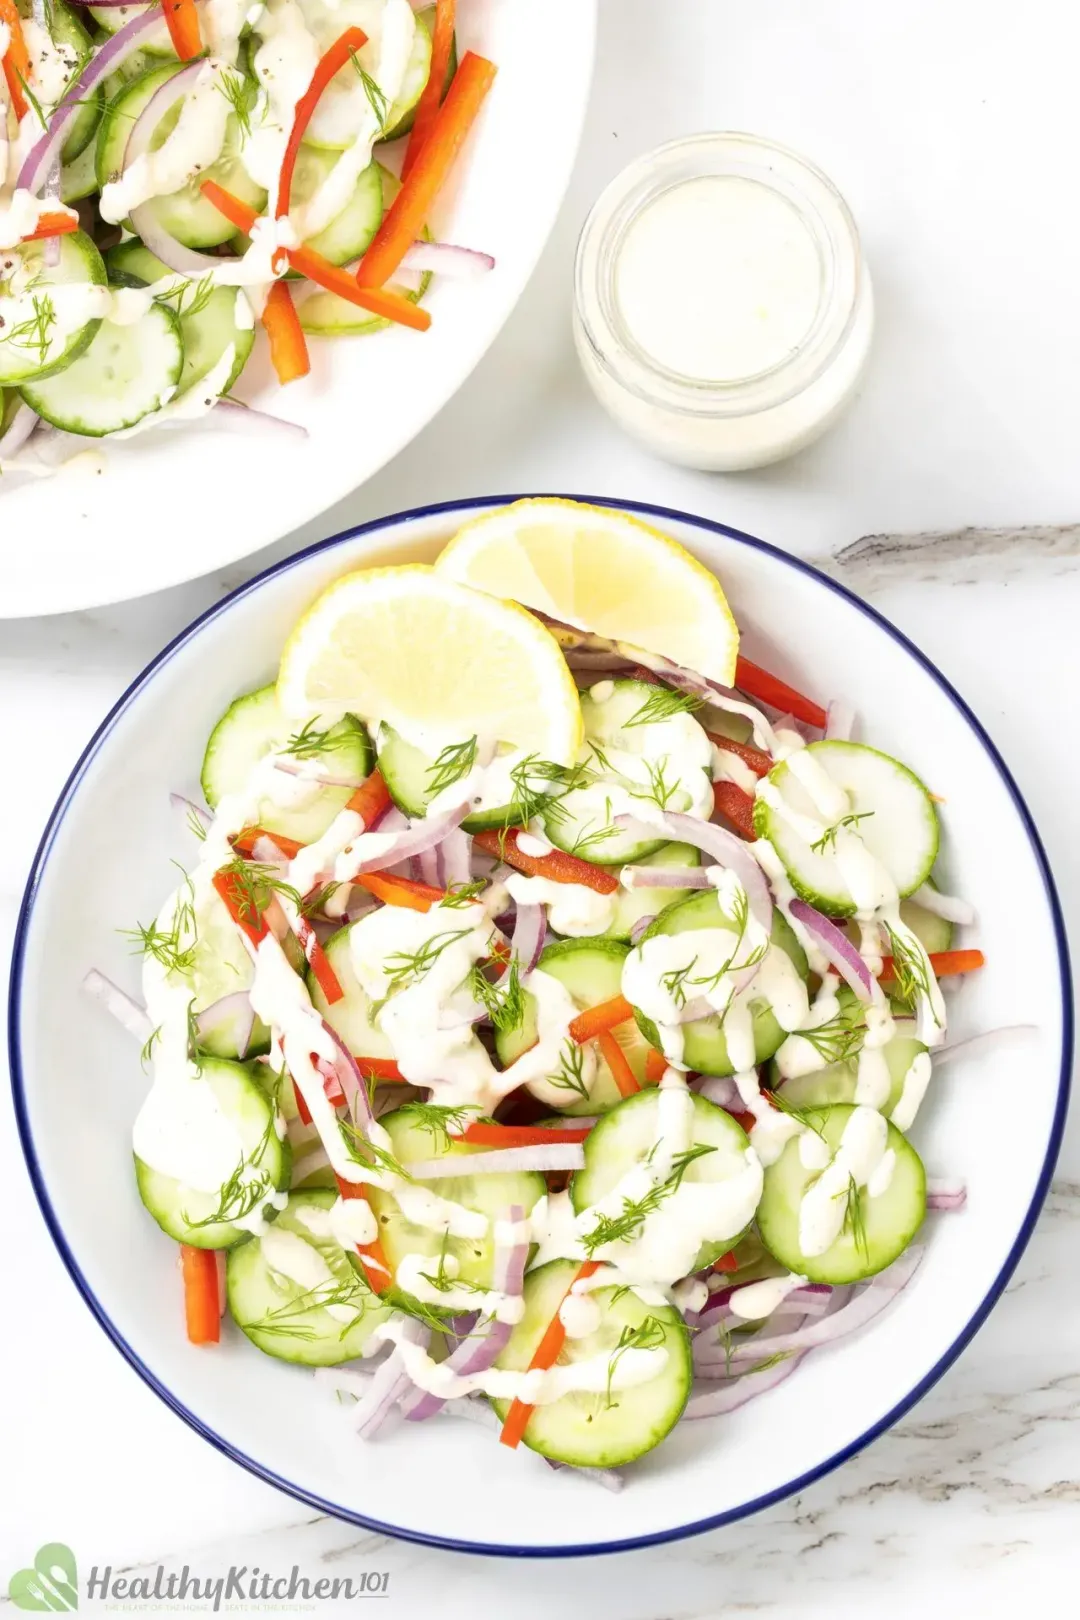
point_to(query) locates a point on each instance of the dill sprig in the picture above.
(32, 101)
(854, 1220)
(454, 763)
(459, 895)
(239, 92)
(846, 823)
(252, 886)
(174, 947)
(409, 1305)
(540, 786)
(246, 1187)
(35, 331)
(310, 740)
(147, 1053)
(378, 102)
(659, 791)
(571, 1072)
(369, 1154)
(196, 824)
(803, 1115)
(589, 840)
(649, 1334)
(631, 1219)
(661, 704)
(189, 297)
(839, 1038)
(405, 968)
(503, 1003)
(675, 982)
(913, 974)
(349, 1292)
(316, 901)
(439, 1120)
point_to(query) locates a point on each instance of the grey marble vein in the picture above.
(952, 556)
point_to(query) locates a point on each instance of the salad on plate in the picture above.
(177, 174)
(539, 1026)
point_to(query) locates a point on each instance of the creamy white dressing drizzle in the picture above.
(859, 1156)
(574, 909)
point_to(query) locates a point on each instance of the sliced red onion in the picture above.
(428, 861)
(351, 1080)
(476, 1353)
(638, 928)
(705, 1402)
(228, 413)
(948, 906)
(192, 812)
(724, 847)
(839, 721)
(22, 424)
(596, 660)
(292, 767)
(664, 877)
(308, 1163)
(528, 937)
(389, 1385)
(447, 259)
(45, 152)
(455, 852)
(945, 1194)
(843, 955)
(979, 1045)
(416, 839)
(499, 1161)
(719, 1089)
(123, 1007)
(235, 1005)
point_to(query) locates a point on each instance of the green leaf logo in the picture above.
(52, 1585)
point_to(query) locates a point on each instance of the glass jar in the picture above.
(722, 308)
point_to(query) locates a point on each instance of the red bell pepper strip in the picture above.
(17, 58)
(759, 762)
(442, 43)
(758, 683)
(202, 1303)
(726, 1262)
(330, 64)
(183, 24)
(288, 345)
(245, 841)
(616, 1060)
(400, 891)
(239, 907)
(731, 801)
(544, 1356)
(944, 963)
(655, 1066)
(405, 219)
(372, 1255)
(371, 799)
(49, 225)
(482, 1134)
(746, 1120)
(591, 1023)
(376, 300)
(558, 866)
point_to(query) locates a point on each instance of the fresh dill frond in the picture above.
(589, 840)
(316, 902)
(405, 968)
(660, 791)
(240, 93)
(540, 786)
(770, 1361)
(802, 1115)
(854, 1220)
(459, 895)
(827, 840)
(571, 1072)
(32, 101)
(454, 763)
(839, 1038)
(252, 886)
(348, 1292)
(174, 947)
(311, 740)
(630, 1220)
(675, 981)
(189, 297)
(369, 1154)
(151, 1041)
(378, 102)
(503, 1003)
(649, 1334)
(439, 1120)
(35, 332)
(196, 824)
(661, 704)
(246, 1187)
(912, 970)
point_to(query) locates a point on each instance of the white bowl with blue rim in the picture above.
(104, 861)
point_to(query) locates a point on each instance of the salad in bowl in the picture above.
(540, 1017)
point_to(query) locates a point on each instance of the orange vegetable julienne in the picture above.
(544, 1356)
(655, 1066)
(245, 841)
(482, 1134)
(587, 1025)
(442, 43)
(49, 225)
(17, 71)
(372, 1255)
(758, 683)
(183, 24)
(407, 215)
(558, 866)
(616, 1060)
(330, 64)
(759, 762)
(400, 891)
(371, 799)
(944, 964)
(239, 908)
(376, 300)
(730, 800)
(288, 345)
(202, 1301)
(726, 1262)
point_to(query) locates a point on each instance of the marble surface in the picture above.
(949, 497)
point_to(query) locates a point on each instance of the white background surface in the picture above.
(953, 131)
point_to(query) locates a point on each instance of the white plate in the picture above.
(178, 503)
(103, 862)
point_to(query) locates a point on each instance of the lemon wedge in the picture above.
(603, 571)
(437, 661)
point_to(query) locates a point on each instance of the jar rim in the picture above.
(822, 210)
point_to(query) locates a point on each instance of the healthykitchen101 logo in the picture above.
(52, 1585)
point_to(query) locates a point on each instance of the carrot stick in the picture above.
(183, 24)
(288, 345)
(738, 807)
(372, 1255)
(442, 43)
(17, 58)
(371, 799)
(558, 866)
(380, 1069)
(481, 1134)
(545, 1355)
(331, 63)
(758, 683)
(53, 225)
(759, 762)
(239, 909)
(407, 214)
(746, 1120)
(376, 300)
(726, 1262)
(616, 1060)
(944, 963)
(400, 891)
(587, 1025)
(245, 841)
(655, 1066)
(202, 1306)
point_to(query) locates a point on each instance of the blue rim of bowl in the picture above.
(580, 1549)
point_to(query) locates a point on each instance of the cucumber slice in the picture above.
(178, 1209)
(399, 120)
(110, 19)
(351, 1016)
(489, 1195)
(837, 1082)
(184, 214)
(58, 53)
(704, 1041)
(78, 179)
(349, 233)
(407, 773)
(593, 1430)
(626, 1136)
(207, 315)
(220, 966)
(591, 969)
(324, 314)
(254, 725)
(900, 825)
(35, 347)
(675, 746)
(126, 373)
(885, 1226)
(288, 1318)
(633, 904)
